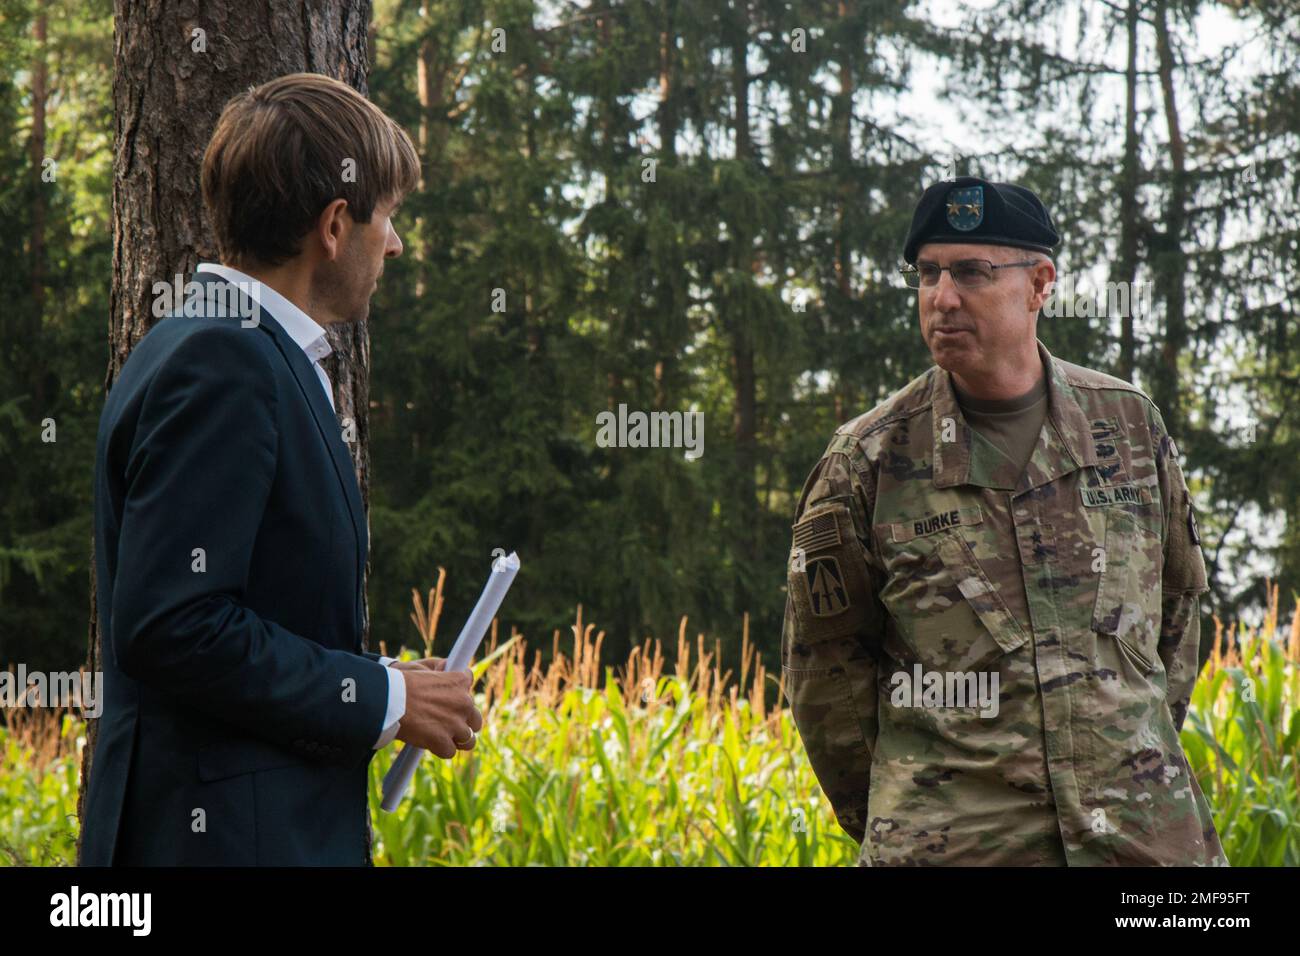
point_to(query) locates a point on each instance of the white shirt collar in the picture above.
(308, 334)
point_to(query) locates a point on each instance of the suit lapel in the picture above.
(218, 304)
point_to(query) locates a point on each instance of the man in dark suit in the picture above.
(240, 711)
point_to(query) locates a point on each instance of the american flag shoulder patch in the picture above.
(817, 532)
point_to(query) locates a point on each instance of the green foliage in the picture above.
(583, 765)
(52, 354)
(750, 278)
(38, 791)
(584, 776)
(665, 289)
(1244, 744)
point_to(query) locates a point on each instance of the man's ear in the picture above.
(1042, 281)
(332, 227)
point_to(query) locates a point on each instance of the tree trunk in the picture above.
(36, 372)
(429, 78)
(1126, 266)
(173, 72)
(849, 41)
(842, 160)
(671, 331)
(1170, 261)
(745, 409)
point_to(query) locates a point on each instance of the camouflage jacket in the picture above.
(1071, 590)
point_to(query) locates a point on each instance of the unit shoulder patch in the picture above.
(827, 595)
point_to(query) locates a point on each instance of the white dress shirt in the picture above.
(310, 337)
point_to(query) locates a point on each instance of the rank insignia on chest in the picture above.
(1105, 438)
(825, 582)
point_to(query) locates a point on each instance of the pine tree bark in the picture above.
(1170, 259)
(174, 69)
(40, 76)
(1126, 266)
(744, 375)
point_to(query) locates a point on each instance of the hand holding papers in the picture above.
(471, 636)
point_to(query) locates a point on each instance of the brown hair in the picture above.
(280, 154)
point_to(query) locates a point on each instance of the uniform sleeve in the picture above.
(832, 619)
(1182, 581)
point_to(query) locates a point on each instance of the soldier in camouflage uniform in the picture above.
(1070, 582)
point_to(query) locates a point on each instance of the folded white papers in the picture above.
(471, 636)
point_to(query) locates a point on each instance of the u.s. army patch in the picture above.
(827, 595)
(1133, 494)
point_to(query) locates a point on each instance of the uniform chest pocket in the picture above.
(1128, 592)
(946, 608)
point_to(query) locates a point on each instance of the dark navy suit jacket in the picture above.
(240, 712)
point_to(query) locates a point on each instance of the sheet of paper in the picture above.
(462, 653)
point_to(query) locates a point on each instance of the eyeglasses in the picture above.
(967, 273)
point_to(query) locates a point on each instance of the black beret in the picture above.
(970, 209)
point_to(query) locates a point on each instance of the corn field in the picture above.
(583, 765)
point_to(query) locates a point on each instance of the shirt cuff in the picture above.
(396, 704)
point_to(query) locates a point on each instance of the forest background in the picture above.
(684, 205)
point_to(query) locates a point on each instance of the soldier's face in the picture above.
(976, 332)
